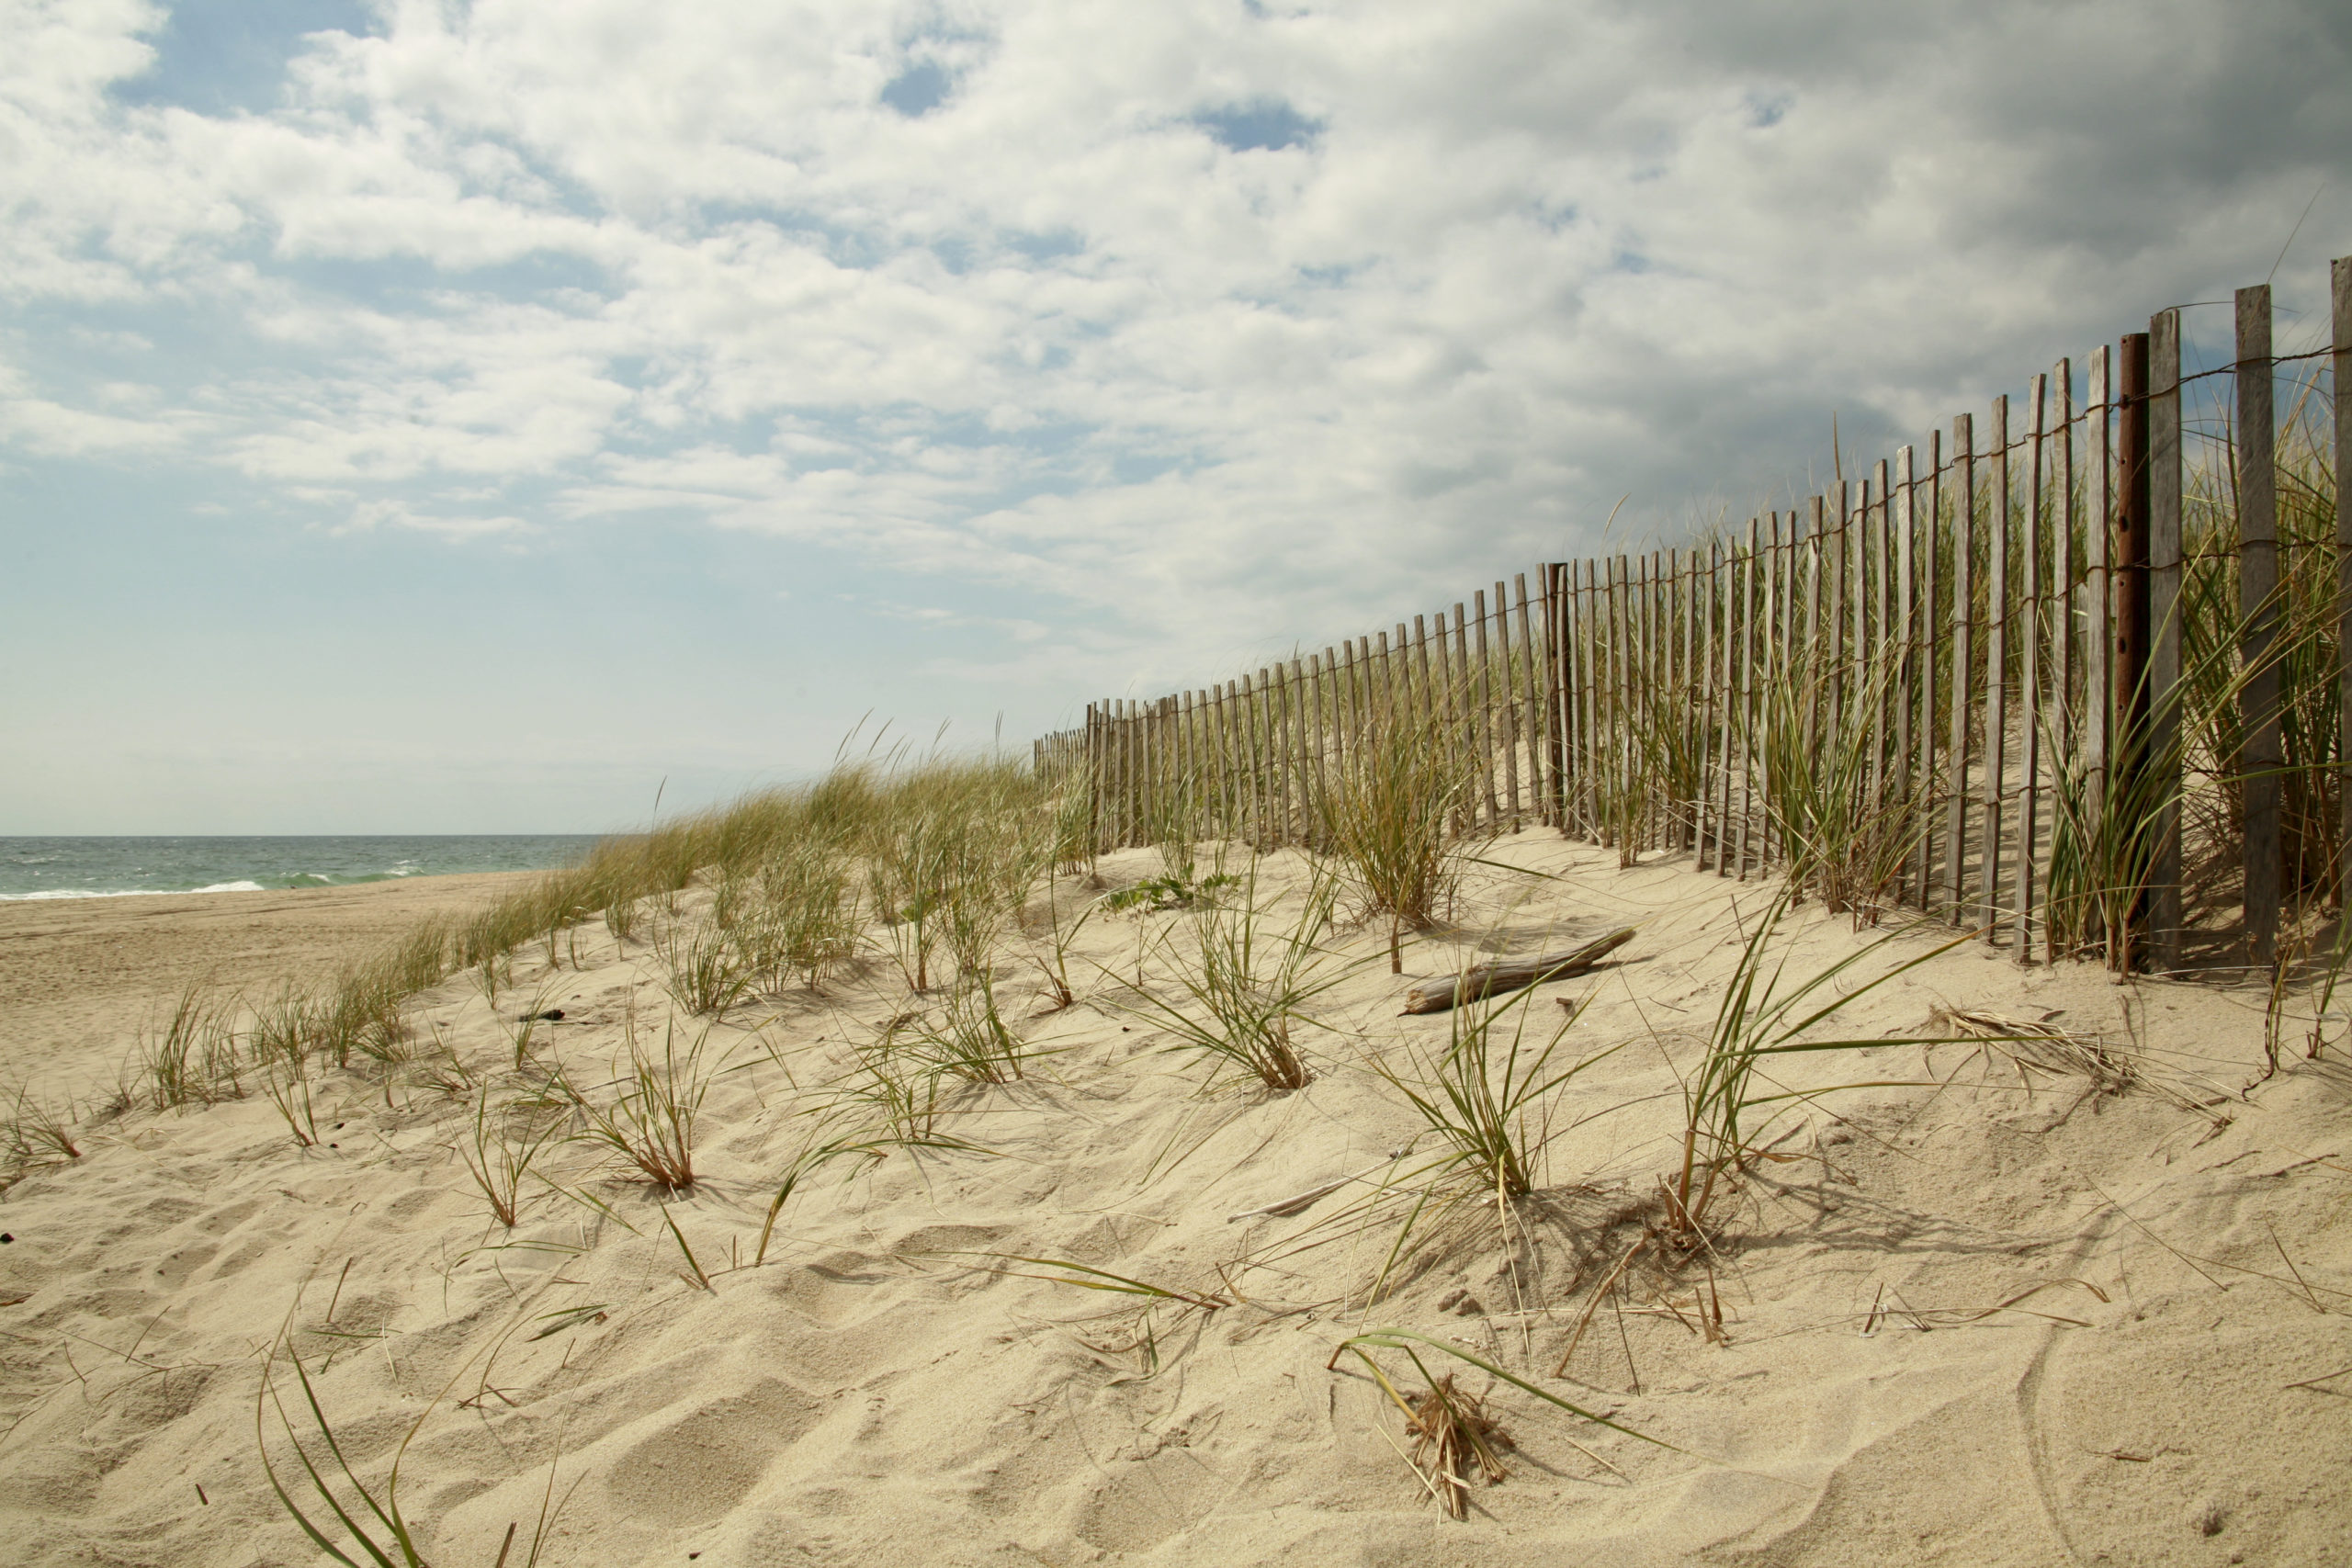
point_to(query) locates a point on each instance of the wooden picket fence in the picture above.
(1990, 679)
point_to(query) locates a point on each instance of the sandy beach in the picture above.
(77, 974)
(1993, 1308)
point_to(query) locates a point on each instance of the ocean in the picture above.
(118, 867)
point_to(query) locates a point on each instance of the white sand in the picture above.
(878, 1393)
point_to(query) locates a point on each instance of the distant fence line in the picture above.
(2061, 681)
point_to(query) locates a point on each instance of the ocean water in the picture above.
(116, 867)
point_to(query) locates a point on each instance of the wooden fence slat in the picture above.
(1483, 706)
(1833, 645)
(1114, 740)
(1641, 693)
(1554, 688)
(1245, 771)
(2098, 632)
(2134, 627)
(1964, 656)
(1302, 755)
(1727, 593)
(2340, 361)
(1600, 652)
(1273, 693)
(1624, 832)
(2163, 648)
(1323, 668)
(1508, 715)
(2065, 574)
(1769, 657)
(1245, 750)
(1879, 527)
(1187, 772)
(1996, 667)
(1907, 658)
(1933, 642)
(1640, 687)
(2258, 616)
(1688, 598)
(1095, 779)
(1708, 834)
(1742, 830)
(1815, 542)
(1452, 677)
(2066, 728)
(2031, 630)
(1533, 710)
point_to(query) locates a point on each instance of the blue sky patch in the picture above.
(222, 56)
(919, 89)
(1267, 125)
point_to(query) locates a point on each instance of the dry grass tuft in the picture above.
(1453, 1436)
(2042, 1047)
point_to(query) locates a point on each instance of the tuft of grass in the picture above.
(799, 917)
(1384, 818)
(35, 1135)
(971, 1041)
(527, 1022)
(1762, 1016)
(1849, 831)
(897, 1085)
(648, 1123)
(1244, 989)
(1061, 936)
(1490, 1102)
(286, 1079)
(370, 1523)
(190, 1059)
(1450, 1429)
(706, 976)
(499, 1149)
(1452, 1434)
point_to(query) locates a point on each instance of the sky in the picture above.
(431, 417)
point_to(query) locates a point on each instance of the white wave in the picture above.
(129, 892)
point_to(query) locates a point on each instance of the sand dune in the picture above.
(1983, 1313)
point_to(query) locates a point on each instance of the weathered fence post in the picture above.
(2257, 498)
(2340, 277)
(2128, 778)
(2099, 640)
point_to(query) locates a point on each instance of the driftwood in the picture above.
(1487, 979)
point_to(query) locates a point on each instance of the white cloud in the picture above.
(1520, 258)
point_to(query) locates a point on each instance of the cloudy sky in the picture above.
(424, 417)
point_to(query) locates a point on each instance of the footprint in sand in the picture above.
(698, 1468)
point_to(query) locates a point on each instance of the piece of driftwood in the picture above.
(1511, 975)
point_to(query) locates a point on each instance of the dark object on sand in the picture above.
(1488, 980)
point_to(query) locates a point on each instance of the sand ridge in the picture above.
(2017, 1318)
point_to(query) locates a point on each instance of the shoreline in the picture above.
(76, 973)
